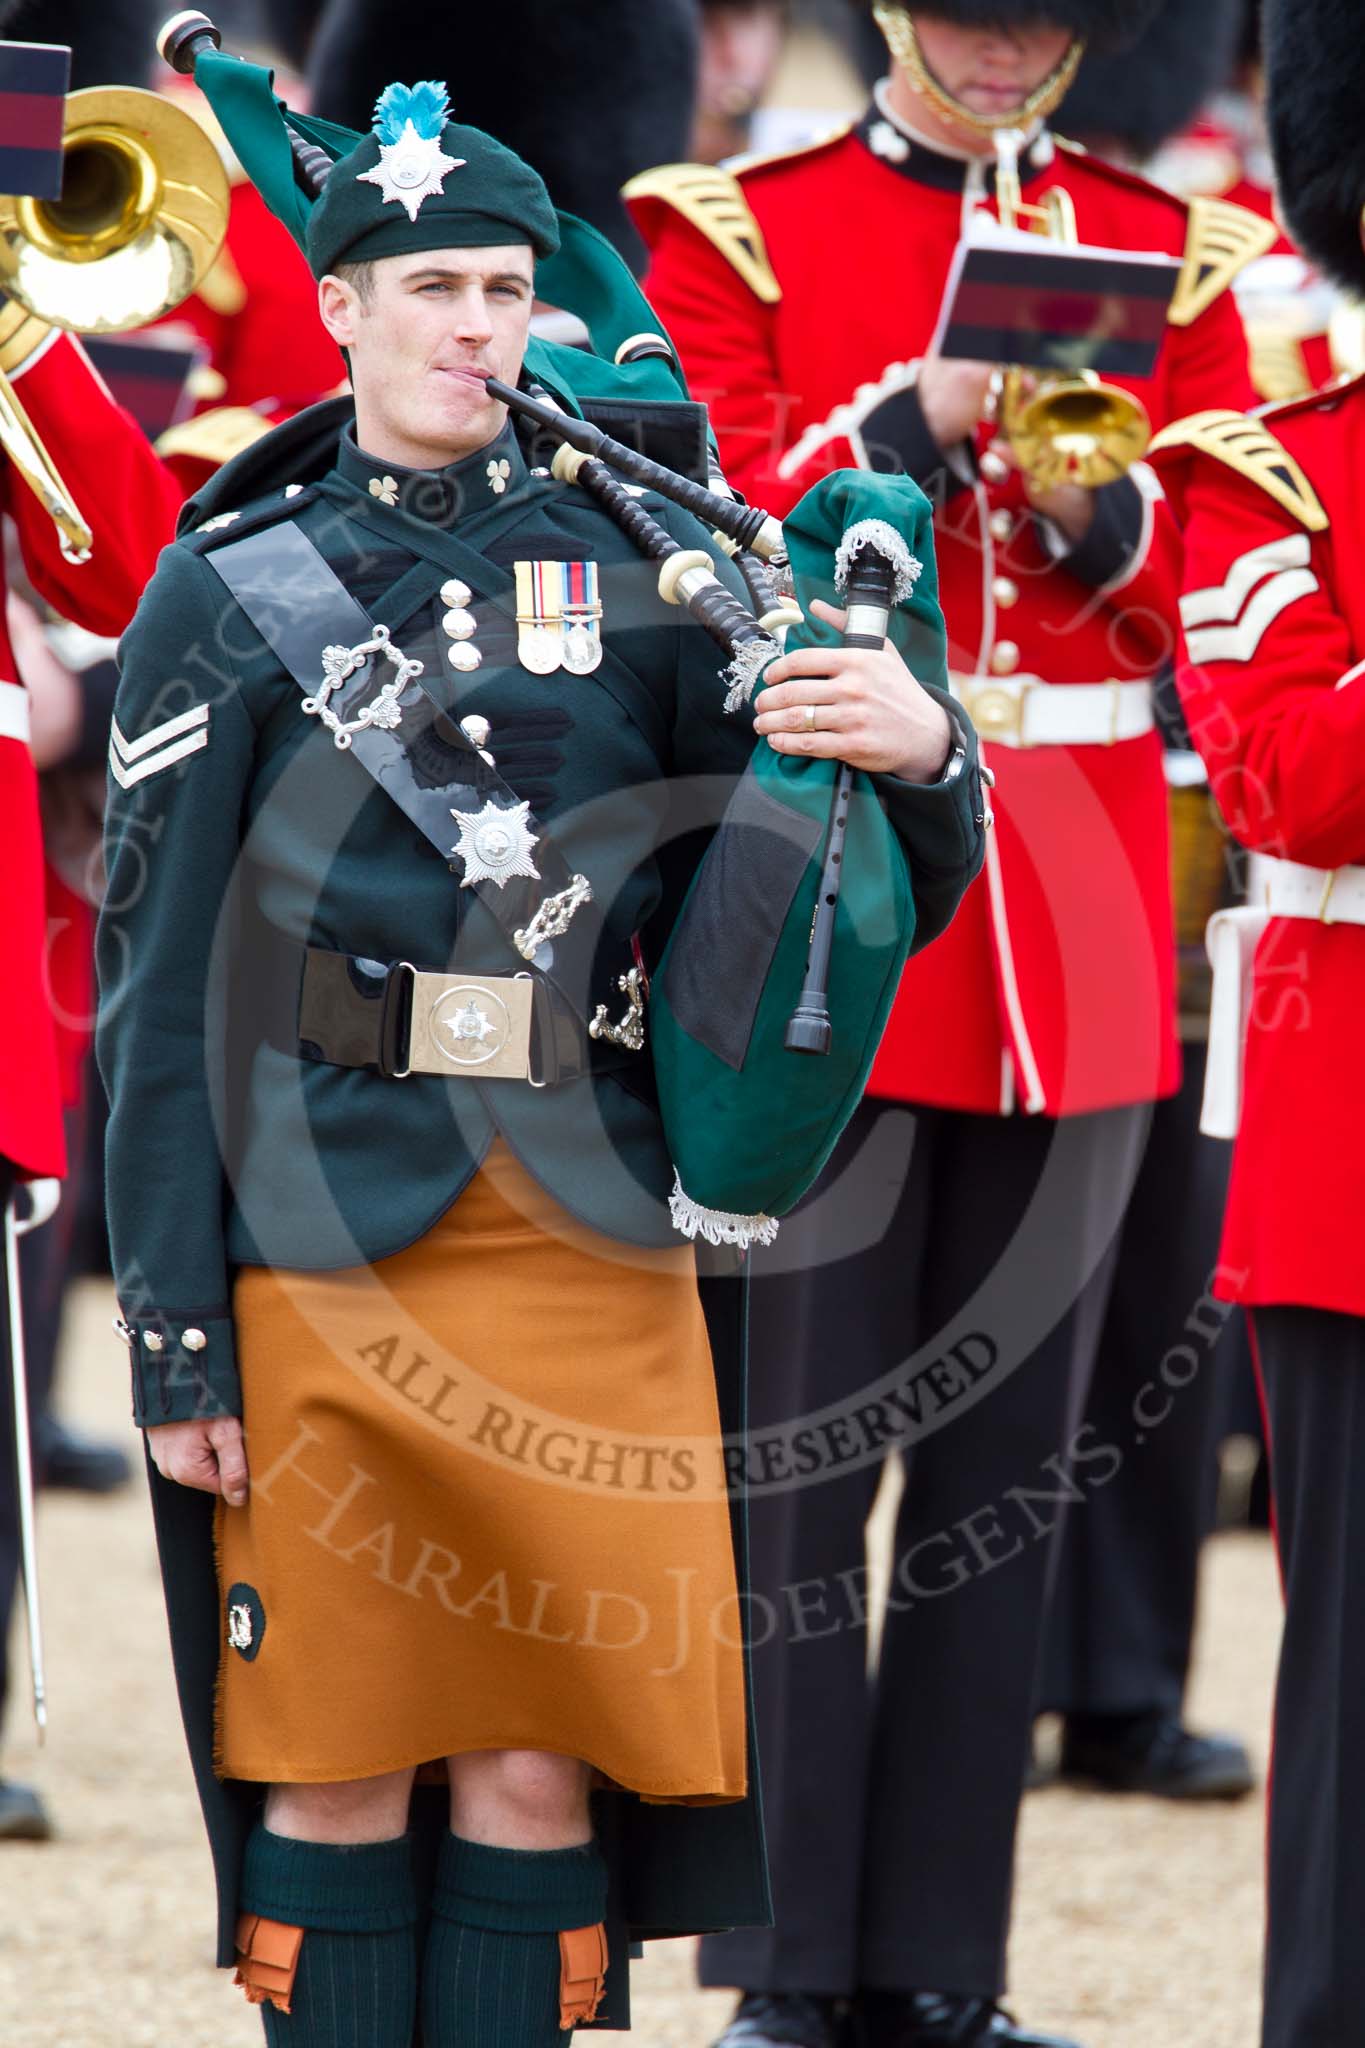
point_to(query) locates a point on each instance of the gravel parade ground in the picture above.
(1137, 1922)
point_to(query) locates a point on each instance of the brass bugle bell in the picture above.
(1073, 430)
(139, 223)
(1067, 429)
(140, 220)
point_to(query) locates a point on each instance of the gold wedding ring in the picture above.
(808, 719)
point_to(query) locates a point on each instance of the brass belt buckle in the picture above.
(1324, 901)
(1115, 689)
(476, 1025)
(998, 712)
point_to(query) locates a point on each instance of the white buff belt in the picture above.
(1276, 888)
(1025, 711)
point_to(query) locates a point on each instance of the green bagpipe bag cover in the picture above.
(750, 1123)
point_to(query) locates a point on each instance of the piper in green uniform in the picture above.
(408, 761)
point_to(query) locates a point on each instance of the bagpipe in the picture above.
(775, 985)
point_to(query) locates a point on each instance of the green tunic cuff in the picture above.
(942, 826)
(184, 1367)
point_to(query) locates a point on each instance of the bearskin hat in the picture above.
(588, 94)
(1105, 24)
(113, 42)
(1315, 90)
(1154, 89)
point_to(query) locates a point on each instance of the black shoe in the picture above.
(78, 1464)
(943, 2019)
(1154, 1753)
(23, 1817)
(784, 2019)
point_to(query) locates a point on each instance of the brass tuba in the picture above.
(141, 218)
(1066, 429)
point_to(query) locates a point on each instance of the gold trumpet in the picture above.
(141, 218)
(1063, 429)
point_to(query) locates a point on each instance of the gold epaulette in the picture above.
(1246, 445)
(1222, 240)
(214, 436)
(713, 202)
(1279, 367)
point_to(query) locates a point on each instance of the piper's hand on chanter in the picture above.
(854, 704)
(208, 1454)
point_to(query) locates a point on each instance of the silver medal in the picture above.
(539, 648)
(582, 649)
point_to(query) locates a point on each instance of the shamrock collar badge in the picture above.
(409, 121)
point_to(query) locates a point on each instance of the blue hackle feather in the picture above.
(426, 105)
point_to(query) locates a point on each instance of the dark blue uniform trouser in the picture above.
(934, 1242)
(1122, 1615)
(1312, 1366)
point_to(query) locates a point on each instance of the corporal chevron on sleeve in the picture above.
(1229, 621)
(132, 761)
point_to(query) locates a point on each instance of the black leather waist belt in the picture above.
(400, 1020)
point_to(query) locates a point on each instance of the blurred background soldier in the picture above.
(804, 293)
(114, 484)
(741, 47)
(616, 93)
(1271, 680)
(1121, 1619)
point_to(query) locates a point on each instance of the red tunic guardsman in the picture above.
(952, 1267)
(91, 442)
(1274, 647)
(1053, 987)
(1273, 680)
(128, 503)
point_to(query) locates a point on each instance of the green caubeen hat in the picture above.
(422, 181)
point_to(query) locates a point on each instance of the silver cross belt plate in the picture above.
(478, 1026)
